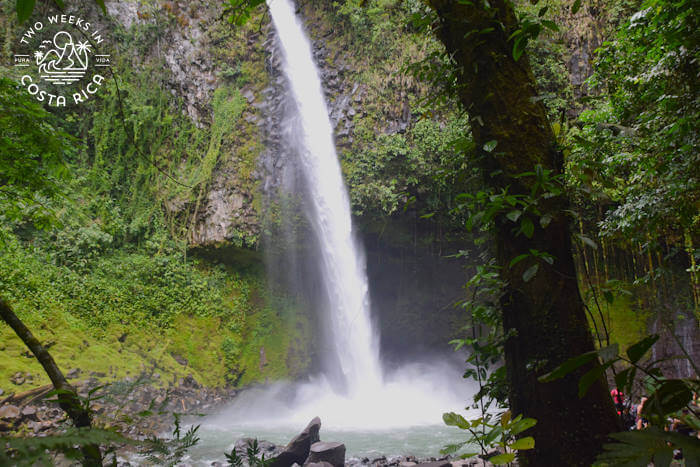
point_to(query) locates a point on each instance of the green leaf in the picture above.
(60, 4)
(454, 419)
(591, 377)
(24, 9)
(451, 448)
(640, 447)
(467, 455)
(550, 25)
(622, 378)
(514, 215)
(530, 272)
(672, 395)
(545, 220)
(493, 434)
(519, 47)
(101, 4)
(575, 7)
(521, 425)
(568, 366)
(489, 146)
(637, 350)
(527, 442)
(502, 459)
(518, 259)
(527, 227)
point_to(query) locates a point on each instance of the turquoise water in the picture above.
(422, 441)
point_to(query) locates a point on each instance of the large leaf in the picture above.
(639, 448)
(455, 419)
(670, 396)
(591, 377)
(452, 448)
(637, 350)
(502, 459)
(521, 425)
(527, 442)
(24, 9)
(568, 366)
(625, 378)
(493, 434)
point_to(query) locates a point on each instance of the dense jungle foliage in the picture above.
(102, 204)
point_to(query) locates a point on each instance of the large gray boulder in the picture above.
(330, 452)
(298, 448)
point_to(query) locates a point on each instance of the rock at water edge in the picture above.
(331, 452)
(298, 448)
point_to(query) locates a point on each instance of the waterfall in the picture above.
(352, 394)
(352, 339)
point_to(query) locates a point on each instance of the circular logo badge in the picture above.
(63, 60)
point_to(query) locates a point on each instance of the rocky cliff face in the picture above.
(184, 47)
(203, 53)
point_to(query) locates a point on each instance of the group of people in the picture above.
(629, 413)
(632, 416)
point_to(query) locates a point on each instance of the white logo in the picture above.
(63, 62)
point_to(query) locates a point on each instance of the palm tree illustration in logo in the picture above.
(65, 62)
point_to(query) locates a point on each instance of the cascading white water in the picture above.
(398, 412)
(342, 264)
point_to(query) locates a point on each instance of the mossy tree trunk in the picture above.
(546, 312)
(68, 398)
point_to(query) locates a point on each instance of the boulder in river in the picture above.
(298, 448)
(330, 452)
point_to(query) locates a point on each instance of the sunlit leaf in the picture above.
(527, 442)
(502, 459)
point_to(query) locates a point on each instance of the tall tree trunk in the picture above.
(546, 312)
(67, 397)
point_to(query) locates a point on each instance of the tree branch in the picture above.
(68, 398)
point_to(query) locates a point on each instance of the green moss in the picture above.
(275, 343)
(625, 320)
(123, 313)
(120, 351)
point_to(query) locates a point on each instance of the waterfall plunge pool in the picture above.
(420, 441)
(401, 417)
